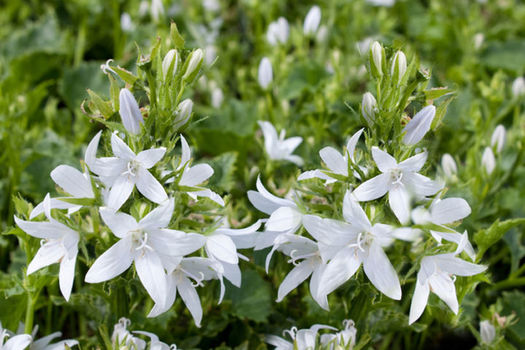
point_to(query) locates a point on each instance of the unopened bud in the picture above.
(498, 138)
(518, 87)
(376, 59)
(193, 65)
(487, 331)
(183, 113)
(312, 20)
(130, 112)
(368, 108)
(170, 61)
(278, 32)
(399, 67)
(265, 73)
(449, 165)
(488, 161)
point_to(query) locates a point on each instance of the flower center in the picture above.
(140, 240)
(396, 175)
(133, 168)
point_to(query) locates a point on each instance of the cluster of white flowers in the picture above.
(305, 339)
(123, 339)
(20, 341)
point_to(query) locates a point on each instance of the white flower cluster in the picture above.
(20, 341)
(305, 339)
(334, 250)
(123, 339)
(167, 261)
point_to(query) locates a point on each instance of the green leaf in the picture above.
(514, 303)
(490, 236)
(509, 55)
(178, 40)
(76, 82)
(223, 179)
(435, 93)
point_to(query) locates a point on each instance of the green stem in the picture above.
(30, 312)
(509, 283)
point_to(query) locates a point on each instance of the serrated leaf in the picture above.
(176, 38)
(490, 236)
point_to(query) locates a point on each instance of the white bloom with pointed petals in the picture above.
(59, 244)
(312, 20)
(419, 125)
(126, 170)
(304, 339)
(144, 243)
(130, 112)
(265, 73)
(346, 338)
(399, 180)
(488, 160)
(278, 32)
(121, 336)
(279, 148)
(498, 138)
(436, 274)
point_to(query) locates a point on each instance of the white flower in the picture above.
(448, 164)
(125, 170)
(487, 331)
(183, 113)
(368, 108)
(59, 244)
(436, 273)
(171, 60)
(121, 336)
(419, 125)
(518, 87)
(155, 343)
(180, 280)
(126, 24)
(400, 180)
(312, 20)
(346, 337)
(279, 148)
(44, 343)
(498, 138)
(265, 73)
(130, 112)
(488, 160)
(304, 339)
(335, 161)
(278, 32)
(15, 342)
(145, 243)
(349, 244)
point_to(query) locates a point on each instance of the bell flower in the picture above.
(349, 244)
(144, 243)
(130, 112)
(59, 244)
(193, 65)
(126, 170)
(437, 274)
(279, 148)
(312, 20)
(419, 125)
(399, 180)
(335, 161)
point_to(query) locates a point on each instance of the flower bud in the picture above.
(130, 112)
(193, 65)
(449, 165)
(399, 67)
(498, 138)
(376, 59)
(368, 108)
(419, 125)
(265, 74)
(278, 32)
(487, 331)
(183, 113)
(518, 87)
(312, 20)
(171, 60)
(488, 161)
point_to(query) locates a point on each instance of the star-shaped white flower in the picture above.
(349, 244)
(437, 274)
(279, 148)
(59, 244)
(125, 170)
(121, 336)
(303, 338)
(345, 338)
(335, 162)
(145, 243)
(400, 180)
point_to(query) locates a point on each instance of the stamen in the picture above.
(144, 242)
(348, 323)
(106, 68)
(294, 257)
(197, 280)
(292, 332)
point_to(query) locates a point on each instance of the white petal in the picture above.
(55, 203)
(232, 273)
(72, 181)
(91, 152)
(150, 157)
(329, 233)
(119, 223)
(457, 266)
(290, 144)
(270, 135)
(196, 175)
(279, 202)
(120, 192)
(175, 243)
(208, 194)
(152, 275)
(414, 163)
(284, 219)
(334, 161)
(488, 160)
(444, 288)
(171, 287)
(67, 275)
(159, 217)
(266, 239)
(294, 159)
(381, 273)
(18, 342)
(420, 185)
(399, 201)
(186, 152)
(314, 174)
(120, 149)
(315, 284)
(129, 112)
(339, 270)
(222, 248)
(449, 210)
(150, 187)
(384, 161)
(419, 125)
(354, 214)
(419, 301)
(112, 262)
(42, 229)
(50, 253)
(191, 299)
(374, 188)
(294, 278)
(278, 342)
(350, 146)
